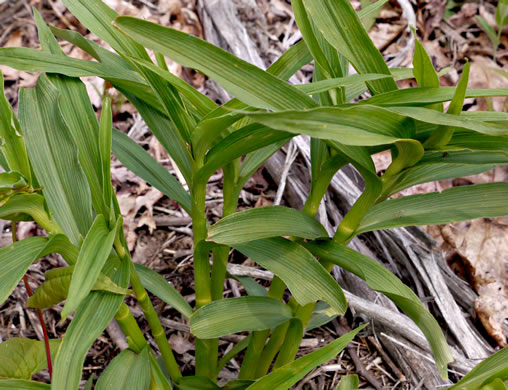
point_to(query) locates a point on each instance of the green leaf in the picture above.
(90, 320)
(502, 14)
(22, 384)
(252, 224)
(232, 315)
(451, 205)
(319, 316)
(305, 277)
(160, 287)
(341, 26)
(291, 61)
(425, 173)
(105, 135)
(494, 367)
(129, 371)
(243, 80)
(239, 384)
(354, 80)
(16, 258)
(380, 279)
(201, 103)
(248, 139)
(10, 183)
(196, 382)
(157, 378)
(98, 18)
(92, 256)
(426, 96)
(135, 158)
(348, 382)
(286, 376)
(31, 60)
(55, 287)
(347, 125)
(163, 130)
(12, 144)
(423, 69)
(21, 358)
(55, 161)
(440, 118)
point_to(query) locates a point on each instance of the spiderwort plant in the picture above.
(57, 172)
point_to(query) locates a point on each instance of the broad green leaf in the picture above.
(79, 116)
(160, 287)
(256, 159)
(305, 27)
(127, 371)
(347, 125)
(426, 173)
(440, 118)
(54, 158)
(252, 287)
(243, 80)
(348, 382)
(423, 69)
(158, 380)
(494, 367)
(89, 383)
(31, 60)
(196, 382)
(12, 145)
(341, 26)
(487, 116)
(291, 61)
(264, 222)
(425, 96)
(92, 256)
(105, 135)
(95, 50)
(21, 358)
(172, 104)
(502, 14)
(319, 316)
(22, 384)
(466, 139)
(232, 315)
(55, 287)
(163, 130)
(248, 139)
(90, 320)
(98, 18)
(451, 205)
(442, 136)
(465, 157)
(142, 164)
(305, 277)
(380, 279)
(27, 206)
(11, 181)
(16, 258)
(286, 376)
(201, 103)
(324, 85)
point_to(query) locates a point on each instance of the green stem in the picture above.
(258, 339)
(271, 349)
(150, 314)
(221, 254)
(206, 350)
(130, 328)
(289, 348)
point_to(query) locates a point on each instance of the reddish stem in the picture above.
(44, 330)
(39, 312)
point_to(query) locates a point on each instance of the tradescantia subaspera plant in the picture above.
(56, 157)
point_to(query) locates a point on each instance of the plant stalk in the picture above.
(150, 315)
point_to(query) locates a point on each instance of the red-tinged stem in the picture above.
(44, 330)
(39, 312)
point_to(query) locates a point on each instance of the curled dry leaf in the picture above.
(483, 246)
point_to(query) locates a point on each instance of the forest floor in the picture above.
(159, 233)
